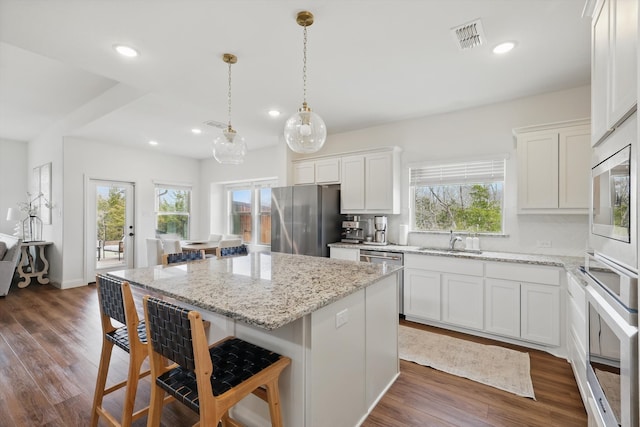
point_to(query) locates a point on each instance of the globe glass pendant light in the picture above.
(229, 148)
(305, 131)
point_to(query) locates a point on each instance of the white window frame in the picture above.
(450, 172)
(254, 187)
(180, 187)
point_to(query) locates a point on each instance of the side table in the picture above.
(35, 263)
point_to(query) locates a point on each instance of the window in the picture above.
(250, 211)
(458, 196)
(173, 211)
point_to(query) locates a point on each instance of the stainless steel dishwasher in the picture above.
(391, 258)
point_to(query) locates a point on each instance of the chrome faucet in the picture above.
(453, 239)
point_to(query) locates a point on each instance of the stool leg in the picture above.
(101, 381)
(135, 366)
(273, 398)
(155, 405)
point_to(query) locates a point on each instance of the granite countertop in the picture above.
(263, 289)
(569, 263)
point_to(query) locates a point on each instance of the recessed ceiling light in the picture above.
(274, 113)
(196, 131)
(153, 142)
(503, 48)
(127, 51)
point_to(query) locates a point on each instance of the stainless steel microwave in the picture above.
(613, 210)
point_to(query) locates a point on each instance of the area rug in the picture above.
(494, 366)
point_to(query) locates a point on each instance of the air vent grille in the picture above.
(469, 35)
(216, 124)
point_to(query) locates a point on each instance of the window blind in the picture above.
(458, 173)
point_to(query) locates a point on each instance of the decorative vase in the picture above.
(32, 229)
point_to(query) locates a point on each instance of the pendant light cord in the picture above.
(304, 67)
(229, 96)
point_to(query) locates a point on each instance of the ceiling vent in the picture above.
(216, 124)
(469, 35)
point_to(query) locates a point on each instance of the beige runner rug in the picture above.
(495, 366)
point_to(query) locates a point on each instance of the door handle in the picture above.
(131, 234)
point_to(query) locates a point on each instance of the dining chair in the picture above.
(182, 257)
(116, 303)
(207, 379)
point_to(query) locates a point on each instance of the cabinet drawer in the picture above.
(445, 264)
(524, 273)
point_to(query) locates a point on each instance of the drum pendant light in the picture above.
(305, 131)
(229, 148)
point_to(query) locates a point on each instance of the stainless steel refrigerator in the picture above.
(305, 219)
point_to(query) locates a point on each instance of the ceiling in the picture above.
(369, 62)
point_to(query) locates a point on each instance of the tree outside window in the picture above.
(460, 197)
(173, 211)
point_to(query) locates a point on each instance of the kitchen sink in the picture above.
(450, 251)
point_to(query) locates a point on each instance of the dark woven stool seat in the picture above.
(234, 361)
(207, 379)
(120, 336)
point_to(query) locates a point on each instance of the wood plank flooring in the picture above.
(50, 348)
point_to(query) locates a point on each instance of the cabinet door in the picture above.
(622, 58)
(574, 168)
(462, 300)
(352, 185)
(422, 293)
(540, 317)
(379, 182)
(304, 173)
(538, 170)
(345, 253)
(502, 307)
(327, 171)
(599, 73)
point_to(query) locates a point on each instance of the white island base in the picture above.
(344, 357)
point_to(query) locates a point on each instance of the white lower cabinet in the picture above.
(540, 313)
(462, 298)
(503, 299)
(422, 293)
(502, 307)
(345, 253)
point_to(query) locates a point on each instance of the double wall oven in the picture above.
(611, 271)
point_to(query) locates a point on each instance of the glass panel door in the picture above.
(110, 230)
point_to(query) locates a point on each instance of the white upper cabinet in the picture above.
(614, 65)
(554, 168)
(323, 171)
(371, 183)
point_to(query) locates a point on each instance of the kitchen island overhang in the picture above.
(337, 320)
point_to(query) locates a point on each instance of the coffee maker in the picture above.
(352, 231)
(380, 224)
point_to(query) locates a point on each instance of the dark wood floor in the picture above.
(50, 347)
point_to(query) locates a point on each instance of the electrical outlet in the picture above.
(342, 317)
(544, 243)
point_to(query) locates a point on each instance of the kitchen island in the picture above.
(337, 321)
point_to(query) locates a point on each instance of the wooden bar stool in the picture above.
(116, 303)
(207, 379)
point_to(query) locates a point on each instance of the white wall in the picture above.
(13, 179)
(476, 132)
(85, 160)
(271, 162)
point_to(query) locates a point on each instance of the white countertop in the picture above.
(568, 263)
(263, 289)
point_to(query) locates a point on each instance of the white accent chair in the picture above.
(154, 252)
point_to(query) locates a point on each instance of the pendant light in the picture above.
(305, 131)
(229, 148)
